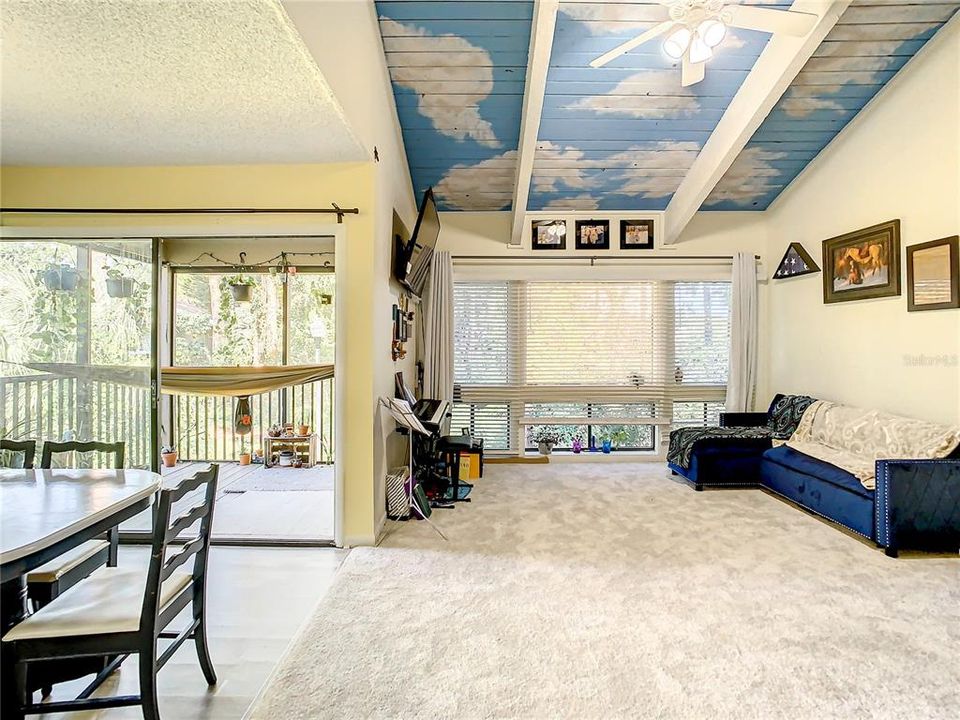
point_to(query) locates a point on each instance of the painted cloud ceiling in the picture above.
(621, 137)
(862, 52)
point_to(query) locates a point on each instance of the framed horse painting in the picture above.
(862, 265)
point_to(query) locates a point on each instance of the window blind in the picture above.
(643, 344)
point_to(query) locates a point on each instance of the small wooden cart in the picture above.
(307, 455)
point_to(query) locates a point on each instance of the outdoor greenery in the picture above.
(56, 308)
(213, 329)
(44, 325)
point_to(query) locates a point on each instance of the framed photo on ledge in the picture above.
(863, 264)
(636, 234)
(933, 275)
(549, 235)
(593, 235)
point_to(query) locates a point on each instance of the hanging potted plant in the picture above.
(546, 440)
(51, 277)
(118, 284)
(69, 277)
(168, 453)
(240, 287)
(60, 276)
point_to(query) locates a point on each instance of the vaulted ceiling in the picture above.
(624, 136)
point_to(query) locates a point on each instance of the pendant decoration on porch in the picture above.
(241, 284)
(796, 262)
(242, 418)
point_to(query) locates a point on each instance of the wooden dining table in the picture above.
(44, 513)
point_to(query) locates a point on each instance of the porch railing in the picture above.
(43, 407)
(204, 426)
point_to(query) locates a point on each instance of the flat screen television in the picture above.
(412, 259)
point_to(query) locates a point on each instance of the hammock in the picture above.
(238, 381)
(217, 381)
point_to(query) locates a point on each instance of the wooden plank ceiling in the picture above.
(863, 51)
(620, 137)
(458, 70)
(623, 136)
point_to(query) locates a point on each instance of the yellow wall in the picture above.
(899, 158)
(261, 186)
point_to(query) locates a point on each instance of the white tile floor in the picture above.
(258, 599)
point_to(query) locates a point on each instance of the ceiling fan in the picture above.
(696, 27)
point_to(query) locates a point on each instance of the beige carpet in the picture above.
(612, 591)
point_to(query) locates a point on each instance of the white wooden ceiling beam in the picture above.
(778, 64)
(538, 62)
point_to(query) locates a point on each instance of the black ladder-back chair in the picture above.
(27, 642)
(50, 447)
(27, 447)
(47, 582)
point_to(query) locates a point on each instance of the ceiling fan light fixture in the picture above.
(677, 42)
(699, 50)
(712, 32)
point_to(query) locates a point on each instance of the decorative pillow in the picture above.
(786, 414)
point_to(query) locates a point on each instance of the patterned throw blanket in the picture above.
(854, 439)
(784, 418)
(683, 439)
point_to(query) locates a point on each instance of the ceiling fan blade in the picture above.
(691, 73)
(771, 20)
(629, 45)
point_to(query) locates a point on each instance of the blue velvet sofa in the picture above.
(728, 461)
(916, 504)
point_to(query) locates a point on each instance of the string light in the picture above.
(277, 263)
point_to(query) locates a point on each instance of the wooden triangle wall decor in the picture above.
(796, 261)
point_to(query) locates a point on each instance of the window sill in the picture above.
(588, 457)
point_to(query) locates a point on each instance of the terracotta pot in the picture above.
(304, 430)
(169, 459)
(244, 458)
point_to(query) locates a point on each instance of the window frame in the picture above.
(665, 328)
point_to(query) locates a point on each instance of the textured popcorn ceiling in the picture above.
(140, 82)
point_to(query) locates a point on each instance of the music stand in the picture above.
(403, 414)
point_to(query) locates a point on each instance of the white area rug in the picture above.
(612, 591)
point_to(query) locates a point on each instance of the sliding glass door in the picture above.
(78, 345)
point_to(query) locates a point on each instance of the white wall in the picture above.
(344, 40)
(900, 158)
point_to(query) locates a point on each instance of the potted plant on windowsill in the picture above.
(546, 440)
(168, 453)
(241, 287)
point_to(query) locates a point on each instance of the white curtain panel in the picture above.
(743, 334)
(438, 338)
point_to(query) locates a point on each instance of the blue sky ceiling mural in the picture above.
(621, 137)
(862, 52)
(458, 72)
